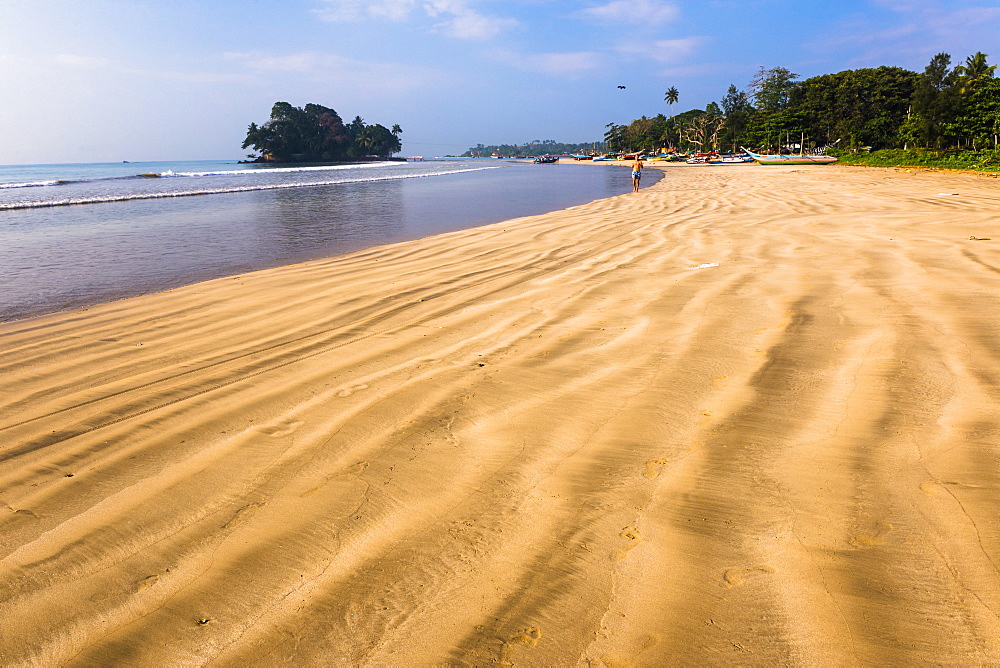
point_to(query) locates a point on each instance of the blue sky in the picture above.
(103, 80)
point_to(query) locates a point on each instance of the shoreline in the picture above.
(742, 415)
(254, 236)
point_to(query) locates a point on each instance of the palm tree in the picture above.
(975, 70)
(670, 97)
(396, 131)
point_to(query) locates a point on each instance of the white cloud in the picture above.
(394, 10)
(665, 50)
(105, 67)
(568, 64)
(695, 70)
(295, 62)
(370, 77)
(81, 61)
(337, 11)
(455, 18)
(640, 12)
(920, 29)
(468, 24)
(358, 10)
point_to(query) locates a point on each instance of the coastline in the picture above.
(87, 235)
(745, 415)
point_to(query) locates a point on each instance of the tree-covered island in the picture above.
(315, 133)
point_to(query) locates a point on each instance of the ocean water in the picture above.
(77, 235)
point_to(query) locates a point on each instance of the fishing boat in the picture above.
(546, 160)
(800, 159)
(698, 158)
(729, 159)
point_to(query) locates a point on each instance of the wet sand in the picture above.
(747, 416)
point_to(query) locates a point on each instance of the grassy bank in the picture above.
(984, 161)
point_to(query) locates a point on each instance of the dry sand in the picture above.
(559, 440)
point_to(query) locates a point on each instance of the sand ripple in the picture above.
(749, 415)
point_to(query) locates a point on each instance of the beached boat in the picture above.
(791, 159)
(729, 159)
(546, 159)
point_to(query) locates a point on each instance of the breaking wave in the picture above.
(102, 199)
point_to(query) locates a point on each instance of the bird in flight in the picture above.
(622, 87)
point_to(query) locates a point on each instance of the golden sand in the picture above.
(747, 416)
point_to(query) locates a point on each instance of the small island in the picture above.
(315, 133)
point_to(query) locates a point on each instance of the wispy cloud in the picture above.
(637, 12)
(665, 50)
(463, 22)
(692, 71)
(920, 28)
(454, 18)
(74, 60)
(359, 10)
(101, 66)
(570, 65)
(314, 66)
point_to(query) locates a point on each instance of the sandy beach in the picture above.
(746, 416)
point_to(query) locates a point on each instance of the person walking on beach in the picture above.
(636, 173)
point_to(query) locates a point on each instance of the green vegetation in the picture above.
(317, 134)
(945, 116)
(531, 149)
(984, 161)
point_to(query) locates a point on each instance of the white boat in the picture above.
(729, 159)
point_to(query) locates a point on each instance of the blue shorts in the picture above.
(636, 175)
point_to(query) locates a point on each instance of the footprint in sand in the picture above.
(631, 534)
(348, 391)
(355, 469)
(734, 577)
(281, 428)
(528, 637)
(139, 586)
(871, 538)
(146, 583)
(653, 467)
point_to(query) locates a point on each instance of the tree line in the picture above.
(531, 149)
(943, 107)
(315, 133)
